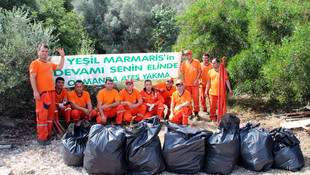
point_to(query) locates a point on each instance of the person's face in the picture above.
(148, 85)
(79, 87)
(109, 85)
(43, 53)
(129, 86)
(169, 83)
(215, 64)
(188, 57)
(179, 87)
(205, 59)
(60, 84)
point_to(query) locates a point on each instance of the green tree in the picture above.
(19, 39)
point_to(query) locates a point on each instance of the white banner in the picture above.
(95, 69)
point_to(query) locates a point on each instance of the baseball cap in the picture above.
(129, 81)
(170, 79)
(179, 82)
(187, 52)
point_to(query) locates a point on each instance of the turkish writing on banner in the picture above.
(95, 69)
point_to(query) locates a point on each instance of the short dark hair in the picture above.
(78, 81)
(59, 79)
(42, 45)
(108, 79)
(217, 60)
(206, 55)
(147, 81)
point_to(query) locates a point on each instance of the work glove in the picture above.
(177, 108)
(151, 107)
(61, 105)
(171, 117)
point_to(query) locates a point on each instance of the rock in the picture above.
(1, 163)
(30, 171)
(6, 171)
(7, 122)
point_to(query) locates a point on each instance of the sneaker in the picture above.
(191, 117)
(166, 117)
(44, 142)
(197, 116)
(205, 112)
(50, 137)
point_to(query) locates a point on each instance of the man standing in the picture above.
(109, 104)
(153, 101)
(205, 67)
(212, 87)
(181, 107)
(42, 83)
(61, 100)
(132, 102)
(166, 89)
(81, 103)
(190, 74)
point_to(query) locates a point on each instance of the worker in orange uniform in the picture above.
(153, 101)
(181, 107)
(81, 103)
(212, 87)
(42, 83)
(166, 89)
(205, 67)
(190, 74)
(132, 102)
(109, 104)
(61, 100)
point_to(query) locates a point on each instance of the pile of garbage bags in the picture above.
(116, 150)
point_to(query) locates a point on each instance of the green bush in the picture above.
(19, 39)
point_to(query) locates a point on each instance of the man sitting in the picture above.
(166, 89)
(109, 104)
(181, 107)
(153, 101)
(132, 102)
(81, 103)
(61, 100)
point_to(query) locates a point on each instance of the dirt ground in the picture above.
(30, 158)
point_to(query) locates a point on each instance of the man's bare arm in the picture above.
(33, 82)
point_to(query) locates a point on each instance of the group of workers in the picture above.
(128, 105)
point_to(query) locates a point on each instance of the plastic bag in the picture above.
(184, 148)
(143, 149)
(74, 143)
(255, 148)
(105, 150)
(222, 148)
(286, 150)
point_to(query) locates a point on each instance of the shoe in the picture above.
(191, 117)
(205, 112)
(166, 117)
(135, 122)
(44, 142)
(50, 137)
(197, 116)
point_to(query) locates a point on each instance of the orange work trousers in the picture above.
(78, 115)
(137, 111)
(203, 98)
(213, 105)
(65, 111)
(158, 110)
(45, 108)
(168, 103)
(117, 111)
(194, 90)
(181, 117)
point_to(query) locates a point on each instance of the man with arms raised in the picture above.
(61, 100)
(132, 102)
(153, 101)
(81, 103)
(109, 104)
(166, 89)
(181, 107)
(190, 74)
(42, 83)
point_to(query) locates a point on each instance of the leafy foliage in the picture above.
(19, 39)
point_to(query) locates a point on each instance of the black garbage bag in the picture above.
(222, 148)
(143, 149)
(286, 150)
(105, 150)
(74, 143)
(255, 148)
(184, 148)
